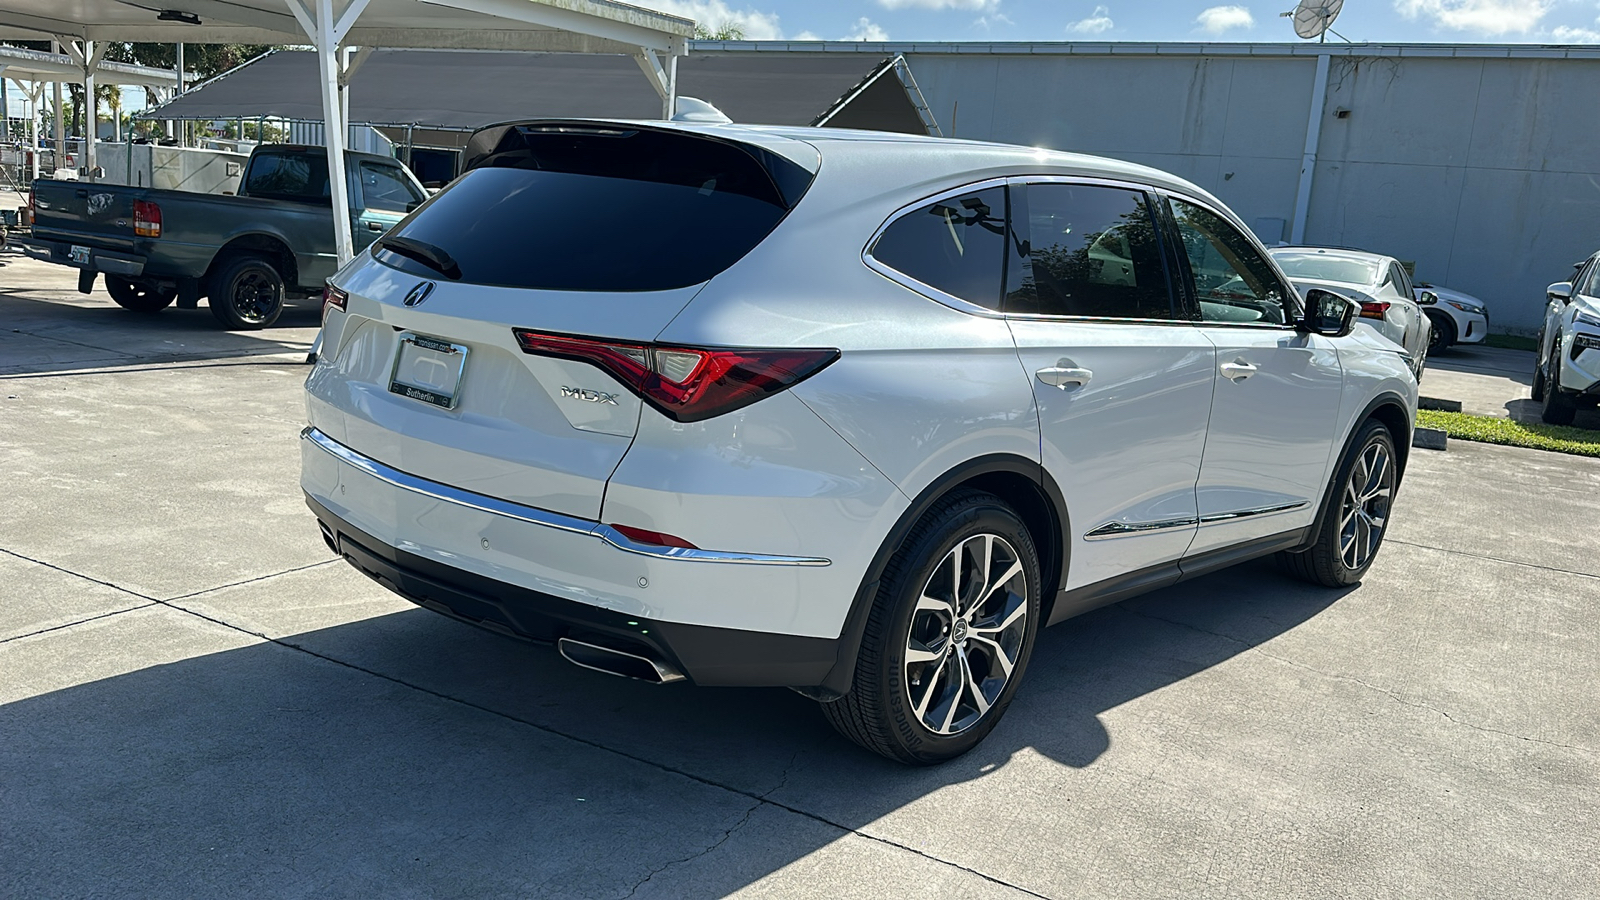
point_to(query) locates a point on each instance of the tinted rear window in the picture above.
(288, 176)
(601, 209)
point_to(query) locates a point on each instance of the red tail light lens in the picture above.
(686, 384)
(658, 538)
(146, 219)
(1375, 310)
(333, 298)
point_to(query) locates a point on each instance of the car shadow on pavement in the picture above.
(408, 754)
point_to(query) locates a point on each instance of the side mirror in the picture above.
(1427, 298)
(1561, 290)
(1328, 314)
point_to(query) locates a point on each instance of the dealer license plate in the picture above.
(429, 370)
(79, 254)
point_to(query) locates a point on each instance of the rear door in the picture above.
(1277, 395)
(1123, 385)
(590, 235)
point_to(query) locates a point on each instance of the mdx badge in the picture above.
(588, 396)
(419, 293)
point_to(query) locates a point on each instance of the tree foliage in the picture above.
(204, 60)
(727, 30)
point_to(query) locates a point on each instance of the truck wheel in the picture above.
(139, 296)
(246, 293)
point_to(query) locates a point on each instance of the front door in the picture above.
(1123, 386)
(386, 196)
(1277, 394)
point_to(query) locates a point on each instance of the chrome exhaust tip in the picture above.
(617, 662)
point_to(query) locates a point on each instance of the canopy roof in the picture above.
(580, 26)
(465, 90)
(22, 64)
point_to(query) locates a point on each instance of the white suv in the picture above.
(1567, 372)
(846, 412)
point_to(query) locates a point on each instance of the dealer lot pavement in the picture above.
(196, 700)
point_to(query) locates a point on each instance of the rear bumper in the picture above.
(60, 252)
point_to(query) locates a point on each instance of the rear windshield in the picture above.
(1342, 269)
(599, 209)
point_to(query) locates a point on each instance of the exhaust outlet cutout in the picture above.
(617, 662)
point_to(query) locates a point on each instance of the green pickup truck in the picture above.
(246, 254)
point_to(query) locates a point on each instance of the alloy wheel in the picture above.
(1365, 508)
(256, 297)
(966, 634)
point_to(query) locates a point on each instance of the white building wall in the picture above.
(1482, 169)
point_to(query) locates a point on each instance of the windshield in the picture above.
(1323, 267)
(598, 209)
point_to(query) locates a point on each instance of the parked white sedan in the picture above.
(1457, 318)
(1379, 283)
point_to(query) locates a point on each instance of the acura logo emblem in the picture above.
(419, 293)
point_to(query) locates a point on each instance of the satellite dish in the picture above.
(1312, 18)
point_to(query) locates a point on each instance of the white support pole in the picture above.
(672, 88)
(35, 94)
(60, 117)
(91, 114)
(1308, 161)
(326, 42)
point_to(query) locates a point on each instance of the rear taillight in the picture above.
(1375, 309)
(333, 298)
(146, 219)
(686, 384)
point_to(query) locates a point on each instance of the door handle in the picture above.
(374, 226)
(1237, 371)
(1062, 376)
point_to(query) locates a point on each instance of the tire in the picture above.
(138, 296)
(1444, 332)
(1559, 406)
(246, 293)
(1538, 371)
(1336, 559)
(889, 710)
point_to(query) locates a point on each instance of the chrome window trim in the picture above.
(1124, 529)
(535, 516)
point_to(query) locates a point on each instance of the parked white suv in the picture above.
(1567, 372)
(846, 412)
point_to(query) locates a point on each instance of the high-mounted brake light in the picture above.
(146, 219)
(686, 384)
(1375, 309)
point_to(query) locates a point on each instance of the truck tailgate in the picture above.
(100, 214)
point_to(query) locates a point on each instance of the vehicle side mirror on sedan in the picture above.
(1561, 290)
(1427, 298)
(1328, 314)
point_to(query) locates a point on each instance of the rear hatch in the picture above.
(596, 232)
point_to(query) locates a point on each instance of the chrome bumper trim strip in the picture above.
(535, 516)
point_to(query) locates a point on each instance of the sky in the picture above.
(1447, 21)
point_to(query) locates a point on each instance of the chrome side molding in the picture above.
(1123, 529)
(535, 516)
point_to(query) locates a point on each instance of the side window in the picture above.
(1091, 251)
(1402, 281)
(1232, 281)
(1591, 283)
(385, 188)
(288, 176)
(956, 245)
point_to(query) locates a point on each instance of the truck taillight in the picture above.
(1375, 310)
(146, 219)
(686, 384)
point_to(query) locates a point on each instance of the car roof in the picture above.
(1360, 255)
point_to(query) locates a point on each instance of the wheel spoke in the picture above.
(931, 687)
(972, 686)
(996, 652)
(918, 652)
(934, 604)
(1008, 618)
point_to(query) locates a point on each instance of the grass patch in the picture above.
(1511, 342)
(1495, 430)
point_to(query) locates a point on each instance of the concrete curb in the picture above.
(1429, 439)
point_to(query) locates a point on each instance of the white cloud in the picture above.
(807, 36)
(1099, 21)
(864, 30)
(713, 14)
(1486, 17)
(979, 5)
(1218, 19)
(1562, 34)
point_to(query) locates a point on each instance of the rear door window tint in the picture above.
(1091, 251)
(956, 245)
(586, 208)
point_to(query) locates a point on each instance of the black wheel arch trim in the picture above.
(1402, 452)
(839, 678)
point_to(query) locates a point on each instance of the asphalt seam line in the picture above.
(1498, 559)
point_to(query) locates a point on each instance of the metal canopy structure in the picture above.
(464, 90)
(343, 32)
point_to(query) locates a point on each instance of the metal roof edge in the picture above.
(1157, 48)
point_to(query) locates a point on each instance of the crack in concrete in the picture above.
(1498, 559)
(1392, 695)
(105, 615)
(233, 584)
(694, 856)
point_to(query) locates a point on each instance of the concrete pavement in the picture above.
(1490, 381)
(196, 700)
